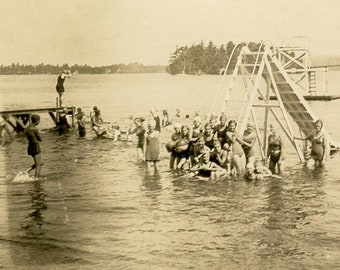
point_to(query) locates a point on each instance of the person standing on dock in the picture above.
(33, 149)
(60, 85)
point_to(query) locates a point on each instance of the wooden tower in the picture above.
(256, 78)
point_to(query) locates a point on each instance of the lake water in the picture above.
(98, 209)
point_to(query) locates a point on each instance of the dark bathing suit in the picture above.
(34, 138)
(60, 84)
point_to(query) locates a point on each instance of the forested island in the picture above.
(196, 59)
(205, 59)
(20, 69)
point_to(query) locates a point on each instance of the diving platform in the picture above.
(264, 75)
(314, 98)
(19, 119)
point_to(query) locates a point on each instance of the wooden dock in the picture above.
(19, 119)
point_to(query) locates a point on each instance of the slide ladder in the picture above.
(264, 75)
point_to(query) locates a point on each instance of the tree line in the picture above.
(196, 59)
(205, 59)
(21, 69)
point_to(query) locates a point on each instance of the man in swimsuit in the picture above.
(33, 149)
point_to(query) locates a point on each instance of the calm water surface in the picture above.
(98, 210)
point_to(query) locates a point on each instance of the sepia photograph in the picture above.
(169, 134)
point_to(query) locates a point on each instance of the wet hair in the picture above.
(35, 118)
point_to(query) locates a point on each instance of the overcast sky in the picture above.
(103, 32)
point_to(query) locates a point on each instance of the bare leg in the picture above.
(172, 161)
(155, 166)
(37, 161)
(272, 166)
(148, 165)
(237, 164)
(60, 99)
(279, 168)
(181, 163)
(140, 154)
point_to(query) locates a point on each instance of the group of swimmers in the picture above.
(211, 150)
(215, 149)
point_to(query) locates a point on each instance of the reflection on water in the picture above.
(99, 210)
(38, 205)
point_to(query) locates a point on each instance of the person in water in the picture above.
(319, 144)
(221, 129)
(207, 168)
(155, 116)
(80, 121)
(275, 152)
(166, 120)
(63, 125)
(234, 141)
(221, 157)
(182, 148)
(176, 136)
(5, 133)
(256, 171)
(208, 136)
(248, 143)
(139, 130)
(60, 85)
(97, 122)
(198, 150)
(33, 136)
(151, 146)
